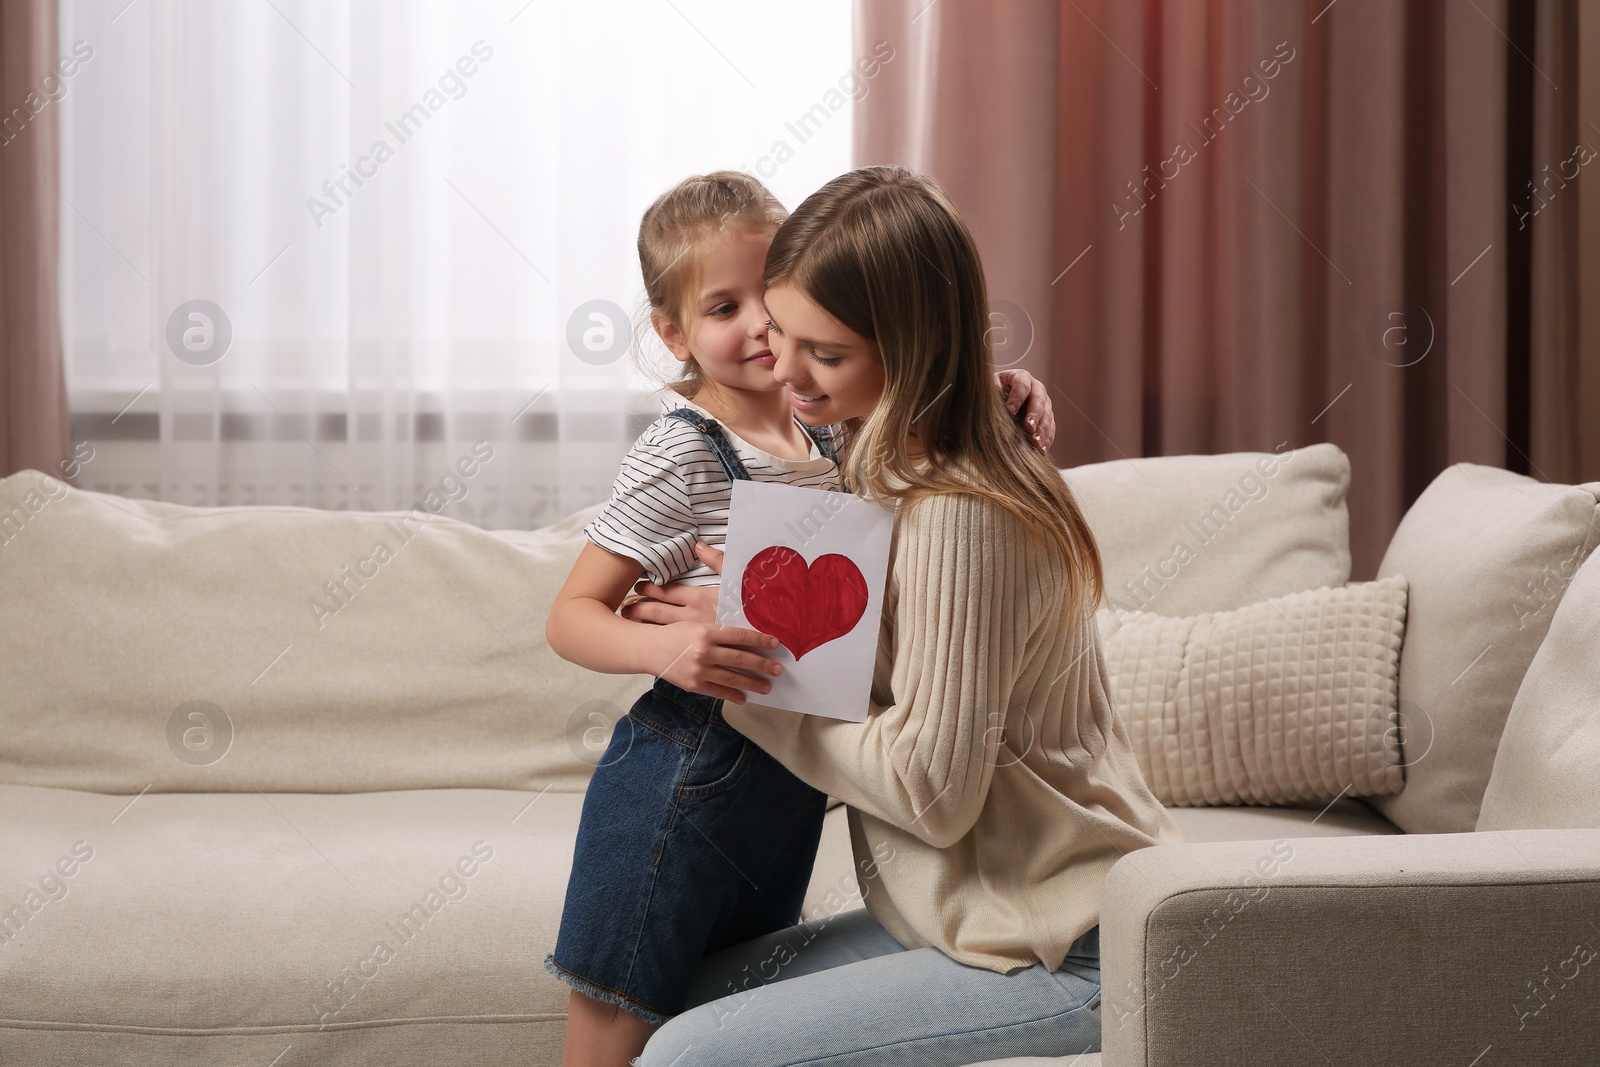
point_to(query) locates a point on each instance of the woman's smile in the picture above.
(802, 402)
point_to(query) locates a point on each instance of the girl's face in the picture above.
(831, 372)
(725, 327)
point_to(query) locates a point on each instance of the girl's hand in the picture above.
(1018, 388)
(676, 602)
(708, 659)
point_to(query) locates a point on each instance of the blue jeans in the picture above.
(841, 991)
(692, 839)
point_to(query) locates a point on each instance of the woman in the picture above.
(991, 786)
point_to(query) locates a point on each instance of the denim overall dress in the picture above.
(692, 839)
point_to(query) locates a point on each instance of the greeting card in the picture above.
(808, 567)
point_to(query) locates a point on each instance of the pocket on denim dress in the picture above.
(718, 755)
(722, 759)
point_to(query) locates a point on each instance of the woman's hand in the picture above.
(676, 602)
(1019, 388)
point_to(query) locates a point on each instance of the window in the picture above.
(316, 250)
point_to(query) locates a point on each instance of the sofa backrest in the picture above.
(1488, 555)
(176, 648)
(1180, 535)
(154, 645)
(1547, 768)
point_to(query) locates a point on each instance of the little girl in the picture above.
(691, 837)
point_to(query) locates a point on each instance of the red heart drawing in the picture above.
(803, 607)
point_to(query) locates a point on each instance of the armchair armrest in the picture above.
(1467, 949)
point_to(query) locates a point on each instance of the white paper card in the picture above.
(809, 567)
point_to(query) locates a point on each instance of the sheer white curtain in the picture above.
(316, 251)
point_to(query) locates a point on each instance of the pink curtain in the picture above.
(1226, 225)
(34, 430)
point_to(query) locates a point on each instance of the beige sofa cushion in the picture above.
(1283, 702)
(206, 929)
(159, 636)
(1342, 818)
(1488, 554)
(1179, 535)
(223, 928)
(1547, 768)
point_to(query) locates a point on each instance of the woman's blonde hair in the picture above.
(884, 251)
(678, 230)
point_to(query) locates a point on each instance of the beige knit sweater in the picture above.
(992, 784)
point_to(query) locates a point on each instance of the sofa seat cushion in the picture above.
(1087, 1059)
(254, 922)
(206, 928)
(1342, 818)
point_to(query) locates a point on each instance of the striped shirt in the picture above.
(672, 491)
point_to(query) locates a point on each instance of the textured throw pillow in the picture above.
(1487, 554)
(1287, 701)
(1179, 535)
(1547, 769)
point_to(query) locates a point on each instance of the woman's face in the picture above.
(830, 372)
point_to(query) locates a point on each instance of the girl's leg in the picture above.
(609, 944)
(774, 902)
(691, 838)
(601, 1033)
(842, 997)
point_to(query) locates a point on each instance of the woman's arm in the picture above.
(966, 608)
(676, 602)
(583, 628)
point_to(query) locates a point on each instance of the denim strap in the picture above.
(824, 439)
(711, 430)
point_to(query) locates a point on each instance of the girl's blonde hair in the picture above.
(884, 251)
(678, 230)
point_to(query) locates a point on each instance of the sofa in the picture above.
(283, 786)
